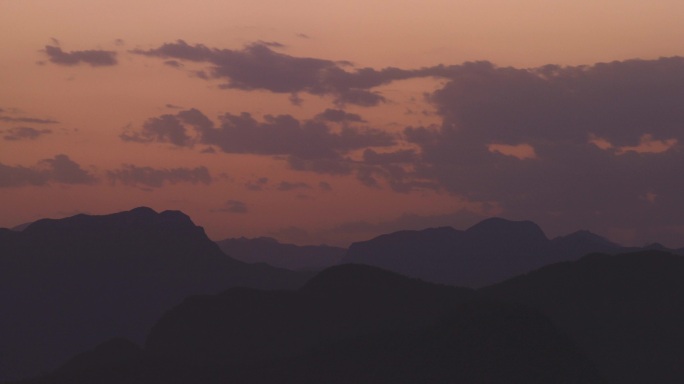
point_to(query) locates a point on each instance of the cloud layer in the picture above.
(59, 169)
(93, 57)
(133, 175)
(605, 140)
(258, 66)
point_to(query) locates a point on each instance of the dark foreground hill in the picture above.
(68, 284)
(289, 256)
(624, 311)
(349, 324)
(488, 252)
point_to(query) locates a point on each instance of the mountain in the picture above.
(485, 253)
(68, 284)
(289, 256)
(348, 324)
(488, 252)
(624, 311)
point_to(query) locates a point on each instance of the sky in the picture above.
(336, 121)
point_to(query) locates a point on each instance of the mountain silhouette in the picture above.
(624, 311)
(486, 253)
(68, 284)
(348, 324)
(270, 251)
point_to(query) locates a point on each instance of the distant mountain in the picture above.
(270, 251)
(486, 253)
(625, 311)
(68, 284)
(349, 324)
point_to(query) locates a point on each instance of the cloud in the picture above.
(258, 67)
(232, 206)
(257, 185)
(23, 133)
(339, 116)
(165, 129)
(96, 58)
(60, 169)
(274, 135)
(565, 146)
(133, 175)
(27, 120)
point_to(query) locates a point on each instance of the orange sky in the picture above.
(81, 110)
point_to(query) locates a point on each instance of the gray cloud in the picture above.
(339, 116)
(603, 143)
(257, 185)
(24, 133)
(232, 206)
(152, 177)
(275, 135)
(258, 66)
(60, 169)
(33, 120)
(96, 58)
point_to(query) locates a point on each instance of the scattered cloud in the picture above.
(257, 185)
(32, 120)
(24, 133)
(258, 67)
(95, 58)
(232, 206)
(274, 135)
(133, 175)
(57, 170)
(339, 116)
(173, 63)
(583, 143)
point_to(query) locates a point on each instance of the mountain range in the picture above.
(486, 253)
(68, 284)
(146, 297)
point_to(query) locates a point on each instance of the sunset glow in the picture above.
(331, 122)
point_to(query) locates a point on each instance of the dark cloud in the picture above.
(258, 66)
(325, 186)
(27, 120)
(568, 147)
(339, 116)
(173, 63)
(232, 206)
(257, 185)
(275, 135)
(60, 169)
(24, 133)
(151, 177)
(96, 58)
(290, 186)
(164, 129)
(401, 156)
(336, 166)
